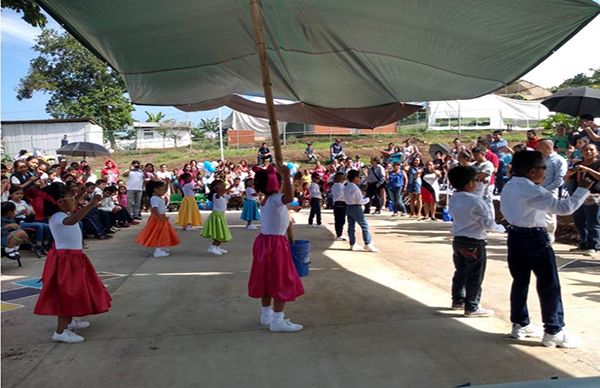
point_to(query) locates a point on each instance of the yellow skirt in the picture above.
(188, 212)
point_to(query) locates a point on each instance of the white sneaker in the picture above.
(561, 340)
(265, 318)
(78, 324)
(341, 238)
(589, 252)
(214, 250)
(371, 248)
(67, 336)
(284, 325)
(222, 250)
(356, 247)
(160, 253)
(188, 227)
(251, 227)
(530, 331)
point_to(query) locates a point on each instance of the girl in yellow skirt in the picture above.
(158, 232)
(216, 227)
(188, 216)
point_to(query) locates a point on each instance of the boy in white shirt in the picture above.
(354, 210)
(315, 200)
(525, 205)
(472, 217)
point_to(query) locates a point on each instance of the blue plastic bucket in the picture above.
(301, 256)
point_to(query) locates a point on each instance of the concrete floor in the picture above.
(375, 320)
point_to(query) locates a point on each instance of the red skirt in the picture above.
(71, 287)
(427, 196)
(158, 233)
(273, 273)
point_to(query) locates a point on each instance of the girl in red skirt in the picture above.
(71, 287)
(158, 232)
(273, 276)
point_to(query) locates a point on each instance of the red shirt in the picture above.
(532, 143)
(492, 157)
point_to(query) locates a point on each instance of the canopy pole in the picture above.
(264, 69)
(221, 136)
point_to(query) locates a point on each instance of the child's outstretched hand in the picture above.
(583, 181)
(96, 199)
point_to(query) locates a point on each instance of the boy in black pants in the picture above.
(472, 217)
(315, 200)
(339, 204)
(525, 204)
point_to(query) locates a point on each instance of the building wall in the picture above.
(240, 137)
(151, 138)
(325, 130)
(47, 136)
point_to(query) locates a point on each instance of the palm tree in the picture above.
(154, 117)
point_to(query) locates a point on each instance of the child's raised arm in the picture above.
(286, 184)
(78, 215)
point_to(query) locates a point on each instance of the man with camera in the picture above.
(135, 187)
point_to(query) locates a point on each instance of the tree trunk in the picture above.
(111, 139)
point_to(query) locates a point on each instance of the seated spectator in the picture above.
(310, 153)
(264, 154)
(25, 218)
(12, 233)
(336, 150)
(235, 195)
(119, 216)
(5, 188)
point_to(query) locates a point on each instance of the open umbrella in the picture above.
(575, 101)
(83, 148)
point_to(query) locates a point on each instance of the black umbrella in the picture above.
(83, 148)
(575, 101)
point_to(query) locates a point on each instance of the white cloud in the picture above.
(576, 56)
(15, 29)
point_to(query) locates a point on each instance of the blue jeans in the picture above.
(397, 200)
(587, 222)
(469, 256)
(42, 231)
(529, 250)
(356, 216)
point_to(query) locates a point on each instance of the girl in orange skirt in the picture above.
(158, 232)
(71, 287)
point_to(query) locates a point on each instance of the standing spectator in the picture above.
(336, 150)
(561, 140)
(414, 187)
(587, 217)
(430, 191)
(375, 182)
(532, 139)
(396, 187)
(485, 171)
(135, 186)
(354, 201)
(315, 200)
(64, 141)
(497, 142)
(556, 169)
(590, 129)
(387, 153)
(264, 154)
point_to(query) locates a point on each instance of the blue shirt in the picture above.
(496, 145)
(396, 180)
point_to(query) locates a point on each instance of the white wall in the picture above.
(151, 138)
(47, 136)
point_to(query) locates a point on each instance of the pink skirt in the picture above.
(273, 273)
(70, 286)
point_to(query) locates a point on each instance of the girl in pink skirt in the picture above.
(273, 276)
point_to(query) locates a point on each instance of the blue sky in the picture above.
(18, 38)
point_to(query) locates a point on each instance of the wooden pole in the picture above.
(264, 69)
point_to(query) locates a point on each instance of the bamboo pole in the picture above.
(264, 69)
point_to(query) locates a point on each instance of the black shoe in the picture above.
(377, 212)
(103, 237)
(39, 251)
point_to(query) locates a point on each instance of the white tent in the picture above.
(486, 112)
(242, 121)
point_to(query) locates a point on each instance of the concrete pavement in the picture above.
(370, 319)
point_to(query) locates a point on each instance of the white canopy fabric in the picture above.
(487, 112)
(324, 53)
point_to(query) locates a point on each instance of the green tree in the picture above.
(205, 125)
(80, 84)
(154, 117)
(32, 13)
(559, 118)
(581, 80)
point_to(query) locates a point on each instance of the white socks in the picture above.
(276, 317)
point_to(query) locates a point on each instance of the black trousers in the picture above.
(315, 210)
(373, 192)
(339, 215)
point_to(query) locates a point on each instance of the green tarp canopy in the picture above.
(326, 53)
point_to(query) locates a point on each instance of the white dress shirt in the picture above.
(337, 192)
(556, 169)
(471, 216)
(314, 190)
(353, 195)
(525, 204)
